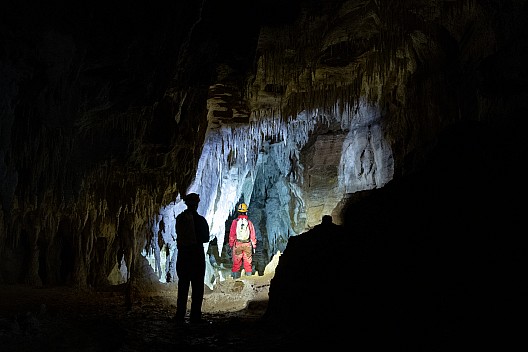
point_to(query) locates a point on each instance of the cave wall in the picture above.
(90, 128)
(105, 109)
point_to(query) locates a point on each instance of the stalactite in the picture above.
(386, 43)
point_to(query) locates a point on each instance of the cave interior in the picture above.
(393, 117)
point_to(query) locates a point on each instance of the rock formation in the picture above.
(381, 114)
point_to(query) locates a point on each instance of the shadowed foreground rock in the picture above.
(432, 262)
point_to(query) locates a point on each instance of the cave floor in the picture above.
(63, 319)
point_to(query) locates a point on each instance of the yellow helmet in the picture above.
(242, 208)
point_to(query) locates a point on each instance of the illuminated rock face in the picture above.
(109, 115)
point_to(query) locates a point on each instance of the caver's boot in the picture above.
(249, 273)
(196, 319)
(179, 318)
(235, 275)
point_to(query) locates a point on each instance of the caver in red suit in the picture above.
(242, 250)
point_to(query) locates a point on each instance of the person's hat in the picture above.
(242, 208)
(192, 198)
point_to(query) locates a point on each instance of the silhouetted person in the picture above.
(327, 220)
(328, 227)
(243, 242)
(192, 232)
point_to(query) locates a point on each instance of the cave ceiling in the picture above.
(105, 108)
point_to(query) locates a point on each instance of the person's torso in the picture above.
(190, 229)
(242, 230)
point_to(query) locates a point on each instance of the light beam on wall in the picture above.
(232, 155)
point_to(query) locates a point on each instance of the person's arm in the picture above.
(252, 234)
(232, 233)
(204, 230)
(179, 225)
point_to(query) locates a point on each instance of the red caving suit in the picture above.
(242, 251)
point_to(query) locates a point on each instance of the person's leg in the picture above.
(196, 299)
(237, 260)
(184, 282)
(248, 259)
(197, 283)
(181, 301)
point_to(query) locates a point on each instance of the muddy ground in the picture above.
(65, 319)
